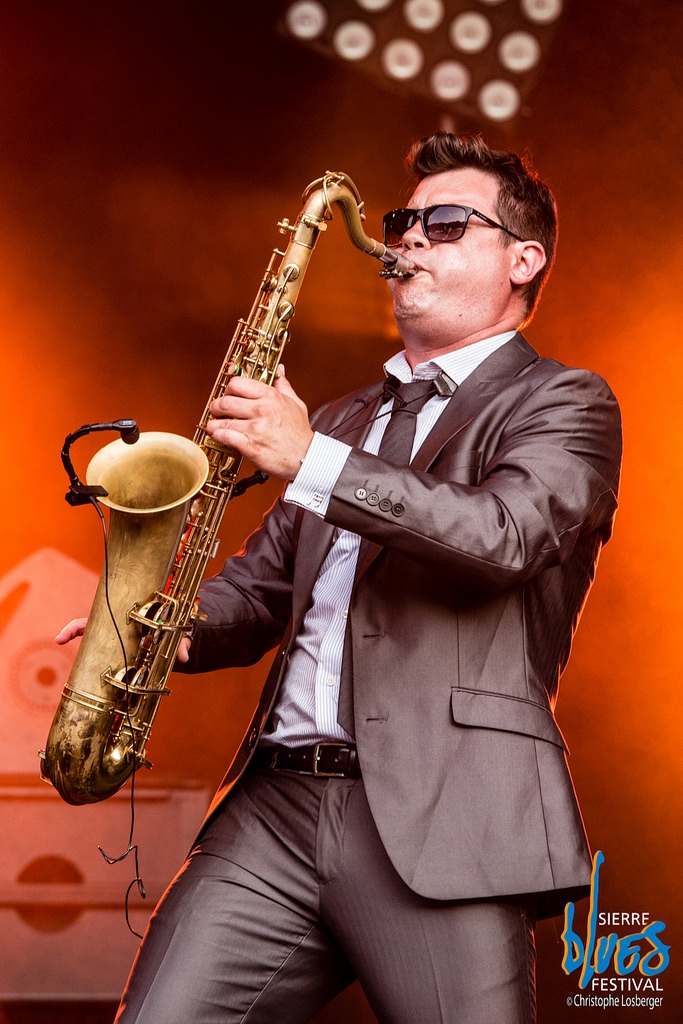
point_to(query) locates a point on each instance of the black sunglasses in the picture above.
(439, 223)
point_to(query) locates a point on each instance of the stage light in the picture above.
(475, 58)
(402, 59)
(353, 40)
(306, 19)
(499, 100)
(470, 32)
(542, 12)
(449, 80)
(424, 15)
(374, 5)
(519, 51)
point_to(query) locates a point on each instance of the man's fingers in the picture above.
(282, 385)
(72, 630)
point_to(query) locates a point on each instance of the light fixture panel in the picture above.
(475, 58)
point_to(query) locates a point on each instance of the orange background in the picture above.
(147, 152)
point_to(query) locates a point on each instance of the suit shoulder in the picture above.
(551, 372)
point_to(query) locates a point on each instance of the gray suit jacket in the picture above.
(460, 623)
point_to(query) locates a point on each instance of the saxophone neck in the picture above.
(336, 188)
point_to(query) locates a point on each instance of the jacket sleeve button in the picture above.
(385, 505)
(373, 498)
(398, 509)
(360, 493)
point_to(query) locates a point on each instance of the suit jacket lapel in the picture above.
(481, 386)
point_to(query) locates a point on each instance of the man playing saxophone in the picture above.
(401, 810)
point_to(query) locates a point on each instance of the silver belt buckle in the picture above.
(316, 758)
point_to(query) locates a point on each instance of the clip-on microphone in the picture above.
(83, 494)
(443, 386)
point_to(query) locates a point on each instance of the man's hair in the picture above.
(525, 204)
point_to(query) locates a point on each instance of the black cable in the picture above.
(131, 847)
(443, 385)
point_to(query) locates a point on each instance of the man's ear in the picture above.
(529, 257)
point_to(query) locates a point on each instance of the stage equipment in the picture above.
(475, 58)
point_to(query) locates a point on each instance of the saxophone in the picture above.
(166, 497)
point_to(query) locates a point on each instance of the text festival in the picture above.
(642, 949)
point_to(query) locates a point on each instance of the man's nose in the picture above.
(415, 238)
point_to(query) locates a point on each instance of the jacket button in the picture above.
(385, 504)
(398, 509)
(253, 736)
(360, 493)
(373, 498)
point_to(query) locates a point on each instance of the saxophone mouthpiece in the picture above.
(396, 265)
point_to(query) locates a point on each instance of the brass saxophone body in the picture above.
(167, 496)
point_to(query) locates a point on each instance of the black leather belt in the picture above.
(327, 760)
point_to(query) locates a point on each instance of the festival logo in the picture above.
(617, 968)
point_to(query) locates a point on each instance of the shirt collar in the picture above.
(458, 364)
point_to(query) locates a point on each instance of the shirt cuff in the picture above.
(313, 485)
